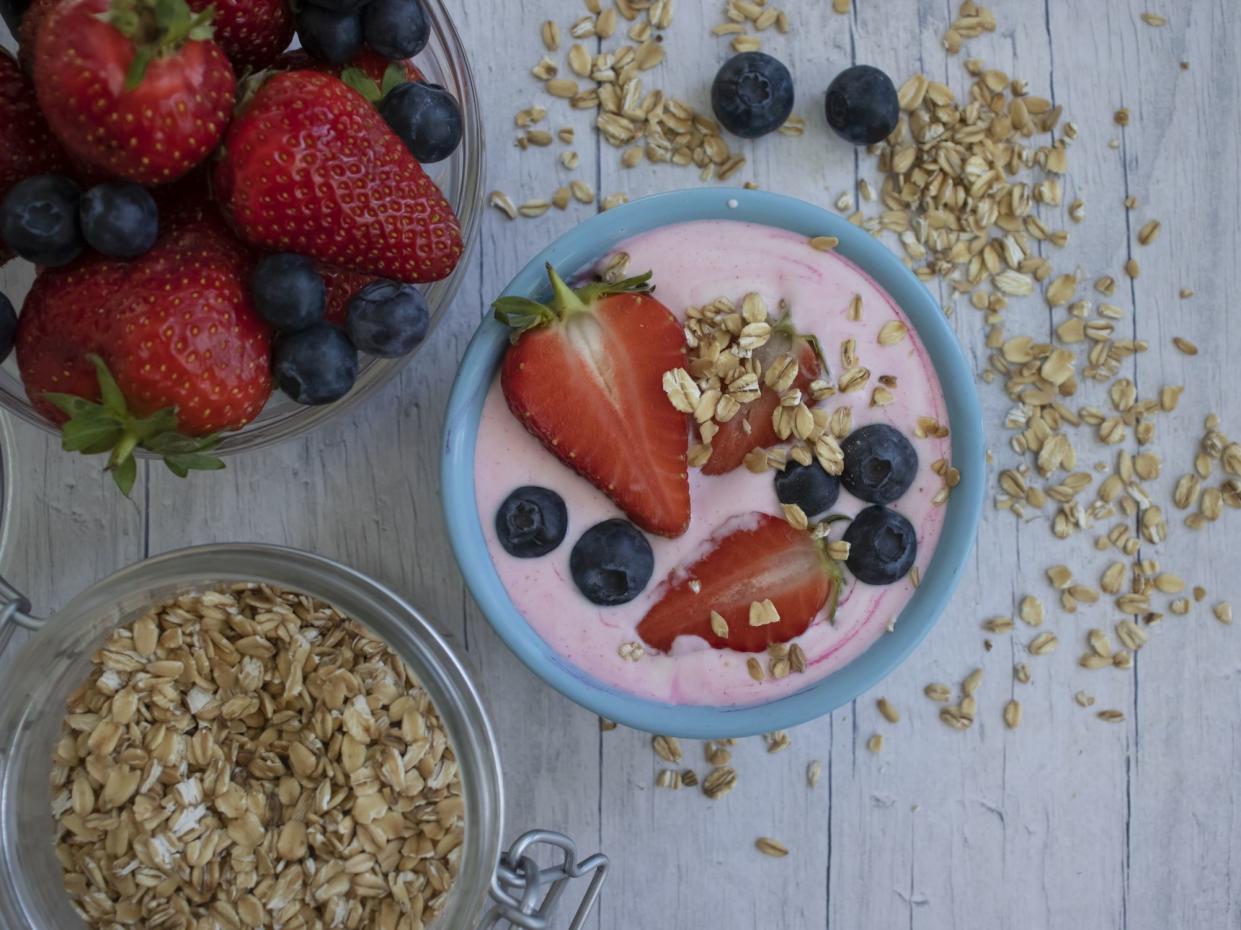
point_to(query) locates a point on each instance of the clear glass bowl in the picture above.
(444, 61)
(57, 660)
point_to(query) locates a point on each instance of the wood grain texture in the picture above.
(1067, 821)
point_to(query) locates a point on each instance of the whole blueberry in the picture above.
(288, 291)
(532, 522)
(882, 546)
(808, 486)
(880, 463)
(752, 95)
(862, 105)
(8, 327)
(333, 35)
(426, 117)
(396, 29)
(119, 219)
(612, 563)
(387, 318)
(317, 365)
(39, 220)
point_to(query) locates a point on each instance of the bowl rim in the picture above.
(574, 251)
(463, 189)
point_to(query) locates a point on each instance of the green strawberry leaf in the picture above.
(360, 81)
(90, 434)
(124, 473)
(69, 404)
(522, 314)
(174, 443)
(192, 461)
(109, 391)
(394, 76)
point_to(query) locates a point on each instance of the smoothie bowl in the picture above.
(727, 482)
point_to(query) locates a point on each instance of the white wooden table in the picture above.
(1065, 822)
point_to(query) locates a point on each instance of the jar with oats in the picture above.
(244, 736)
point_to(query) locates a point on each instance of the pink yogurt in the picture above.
(692, 264)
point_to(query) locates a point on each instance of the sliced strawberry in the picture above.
(585, 374)
(765, 559)
(752, 427)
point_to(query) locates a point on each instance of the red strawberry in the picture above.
(169, 344)
(133, 87)
(752, 427)
(584, 374)
(341, 285)
(310, 167)
(252, 33)
(764, 559)
(27, 146)
(28, 30)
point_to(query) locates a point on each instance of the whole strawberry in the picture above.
(135, 88)
(27, 146)
(160, 353)
(252, 33)
(310, 167)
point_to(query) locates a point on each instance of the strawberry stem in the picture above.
(565, 300)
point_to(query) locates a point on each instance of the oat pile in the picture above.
(249, 758)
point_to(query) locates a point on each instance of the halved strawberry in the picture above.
(752, 427)
(584, 374)
(763, 559)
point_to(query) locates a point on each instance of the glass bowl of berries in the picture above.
(714, 464)
(254, 223)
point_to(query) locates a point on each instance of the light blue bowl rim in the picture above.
(575, 251)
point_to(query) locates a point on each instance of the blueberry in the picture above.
(387, 318)
(8, 327)
(396, 29)
(333, 35)
(426, 117)
(808, 486)
(880, 464)
(288, 291)
(612, 563)
(317, 365)
(39, 220)
(882, 546)
(532, 522)
(119, 219)
(752, 95)
(862, 105)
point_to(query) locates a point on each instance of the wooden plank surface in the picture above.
(1067, 821)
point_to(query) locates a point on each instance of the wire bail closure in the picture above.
(519, 882)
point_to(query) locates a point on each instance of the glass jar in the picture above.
(460, 177)
(56, 661)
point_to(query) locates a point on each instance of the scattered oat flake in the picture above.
(1154, 19)
(875, 743)
(1012, 714)
(813, 772)
(770, 847)
(1223, 612)
(824, 243)
(1184, 345)
(890, 713)
(1111, 716)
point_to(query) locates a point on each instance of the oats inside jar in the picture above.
(249, 757)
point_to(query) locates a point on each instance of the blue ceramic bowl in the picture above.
(581, 248)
